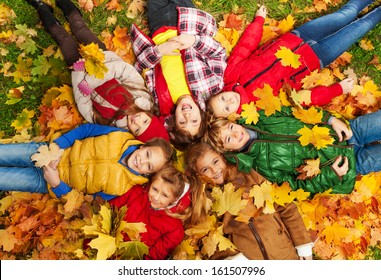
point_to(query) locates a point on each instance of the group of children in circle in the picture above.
(125, 152)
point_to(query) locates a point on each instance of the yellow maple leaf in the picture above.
(318, 78)
(311, 115)
(300, 194)
(135, 7)
(284, 98)
(74, 200)
(366, 44)
(288, 58)
(133, 230)
(185, 247)
(228, 200)
(317, 136)
(281, 194)
(94, 60)
(246, 213)
(335, 233)
(286, 24)
(224, 243)
(210, 243)
(106, 223)
(228, 38)
(301, 97)
(45, 154)
(249, 111)
(262, 194)
(267, 101)
(105, 244)
(308, 170)
(203, 228)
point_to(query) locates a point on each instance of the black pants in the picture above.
(164, 13)
(68, 44)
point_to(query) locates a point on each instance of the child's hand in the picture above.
(169, 48)
(342, 169)
(347, 85)
(342, 130)
(51, 176)
(261, 12)
(185, 40)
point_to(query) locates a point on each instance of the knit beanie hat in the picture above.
(155, 129)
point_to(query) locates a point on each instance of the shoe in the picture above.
(38, 4)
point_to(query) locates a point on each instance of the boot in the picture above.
(67, 7)
(45, 12)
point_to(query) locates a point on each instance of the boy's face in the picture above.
(187, 115)
(160, 194)
(138, 123)
(234, 137)
(147, 160)
(225, 103)
(213, 166)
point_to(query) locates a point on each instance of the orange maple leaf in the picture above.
(309, 170)
(267, 101)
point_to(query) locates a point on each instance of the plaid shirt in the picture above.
(204, 62)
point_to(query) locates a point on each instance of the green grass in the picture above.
(34, 89)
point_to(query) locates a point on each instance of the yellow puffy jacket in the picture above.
(91, 165)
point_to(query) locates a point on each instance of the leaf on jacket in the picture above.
(94, 60)
(317, 136)
(281, 194)
(310, 115)
(250, 113)
(228, 200)
(45, 154)
(310, 169)
(262, 194)
(301, 97)
(134, 230)
(316, 78)
(267, 101)
(288, 58)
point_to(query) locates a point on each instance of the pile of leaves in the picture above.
(77, 226)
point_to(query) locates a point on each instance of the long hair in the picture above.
(181, 139)
(165, 146)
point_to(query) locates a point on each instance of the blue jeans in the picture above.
(366, 130)
(17, 171)
(331, 35)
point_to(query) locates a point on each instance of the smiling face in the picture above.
(160, 194)
(138, 123)
(212, 165)
(224, 103)
(234, 136)
(187, 114)
(146, 160)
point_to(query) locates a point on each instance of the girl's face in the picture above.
(138, 123)
(187, 115)
(146, 160)
(225, 103)
(213, 166)
(160, 194)
(234, 137)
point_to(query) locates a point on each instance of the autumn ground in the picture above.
(36, 104)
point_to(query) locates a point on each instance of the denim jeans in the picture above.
(366, 130)
(17, 171)
(332, 34)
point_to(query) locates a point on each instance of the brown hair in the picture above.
(164, 145)
(181, 139)
(213, 134)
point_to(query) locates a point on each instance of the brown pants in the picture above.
(68, 44)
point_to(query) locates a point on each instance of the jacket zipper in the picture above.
(269, 67)
(258, 238)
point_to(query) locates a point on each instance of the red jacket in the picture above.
(251, 67)
(163, 233)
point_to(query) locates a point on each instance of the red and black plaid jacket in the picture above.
(204, 62)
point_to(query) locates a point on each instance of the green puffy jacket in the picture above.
(277, 153)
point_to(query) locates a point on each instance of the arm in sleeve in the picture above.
(293, 221)
(248, 42)
(82, 95)
(147, 59)
(61, 189)
(322, 95)
(84, 131)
